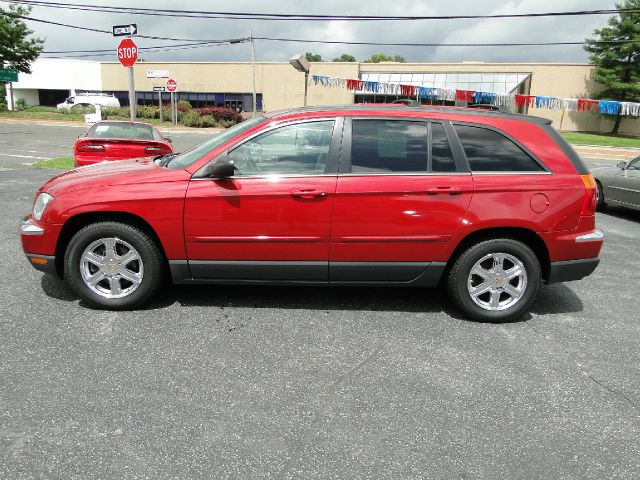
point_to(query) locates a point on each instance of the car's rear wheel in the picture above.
(495, 280)
(599, 197)
(114, 265)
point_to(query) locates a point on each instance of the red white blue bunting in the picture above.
(606, 107)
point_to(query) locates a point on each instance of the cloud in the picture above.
(426, 31)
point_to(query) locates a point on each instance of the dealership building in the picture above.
(278, 85)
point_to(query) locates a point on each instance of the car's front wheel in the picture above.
(495, 280)
(114, 265)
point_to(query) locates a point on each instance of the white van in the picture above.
(88, 99)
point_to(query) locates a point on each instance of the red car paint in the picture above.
(91, 149)
(333, 217)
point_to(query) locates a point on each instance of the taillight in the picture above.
(589, 203)
(91, 148)
(154, 150)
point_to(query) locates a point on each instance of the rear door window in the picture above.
(490, 151)
(441, 156)
(389, 146)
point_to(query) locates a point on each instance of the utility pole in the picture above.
(253, 70)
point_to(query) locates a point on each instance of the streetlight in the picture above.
(301, 64)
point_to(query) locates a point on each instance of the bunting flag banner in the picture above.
(585, 104)
(525, 100)
(629, 108)
(609, 107)
(606, 107)
(465, 96)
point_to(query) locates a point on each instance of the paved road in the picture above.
(317, 383)
(22, 144)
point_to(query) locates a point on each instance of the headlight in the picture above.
(40, 205)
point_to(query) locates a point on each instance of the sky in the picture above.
(546, 29)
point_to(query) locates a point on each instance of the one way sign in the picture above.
(122, 30)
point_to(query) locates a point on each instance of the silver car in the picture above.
(619, 185)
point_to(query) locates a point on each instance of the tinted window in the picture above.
(634, 164)
(489, 151)
(300, 148)
(388, 146)
(441, 156)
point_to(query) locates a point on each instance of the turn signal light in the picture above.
(589, 203)
(40, 261)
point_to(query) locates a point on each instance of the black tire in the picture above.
(600, 205)
(150, 267)
(459, 274)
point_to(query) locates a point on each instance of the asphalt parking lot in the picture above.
(311, 383)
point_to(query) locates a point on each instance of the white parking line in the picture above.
(24, 156)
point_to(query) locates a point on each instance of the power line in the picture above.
(298, 17)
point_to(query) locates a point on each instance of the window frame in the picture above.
(344, 169)
(331, 167)
(544, 169)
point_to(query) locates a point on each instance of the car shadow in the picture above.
(622, 213)
(553, 299)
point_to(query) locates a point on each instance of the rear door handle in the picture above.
(308, 193)
(447, 189)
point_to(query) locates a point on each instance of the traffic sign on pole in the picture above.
(8, 75)
(127, 52)
(125, 30)
(159, 89)
(172, 85)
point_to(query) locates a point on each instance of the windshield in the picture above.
(187, 158)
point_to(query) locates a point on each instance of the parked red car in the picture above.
(110, 140)
(490, 204)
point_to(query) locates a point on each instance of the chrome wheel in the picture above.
(497, 281)
(111, 267)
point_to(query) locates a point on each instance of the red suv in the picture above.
(490, 204)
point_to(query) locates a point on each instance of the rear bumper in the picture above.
(570, 270)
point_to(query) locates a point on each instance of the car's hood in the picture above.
(141, 170)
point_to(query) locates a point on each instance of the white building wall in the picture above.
(57, 74)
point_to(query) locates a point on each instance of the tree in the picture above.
(313, 57)
(345, 57)
(383, 57)
(617, 60)
(17, 50)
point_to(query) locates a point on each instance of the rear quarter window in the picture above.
(490, 151)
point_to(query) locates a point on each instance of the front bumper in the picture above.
(39, 244)
(570, 270)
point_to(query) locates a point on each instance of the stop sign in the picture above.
(172, 86)
(127, 52)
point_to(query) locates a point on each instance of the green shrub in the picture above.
(147, 111)
(190, 119)
(39, 108)
(184, 104)
(207, 121)
(21, 104)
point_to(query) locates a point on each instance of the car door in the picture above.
(625, 184)
(401, 195)
(271, 220)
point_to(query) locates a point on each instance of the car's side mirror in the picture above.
(224, 167)
(622, 165)
(167, 139)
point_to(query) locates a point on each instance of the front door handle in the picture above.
(308, 193)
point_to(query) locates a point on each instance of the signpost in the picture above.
(127, 55)
(125, 30)
(172, 86)
(159, 90)
(9, 75)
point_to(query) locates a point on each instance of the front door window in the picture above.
(300, 149)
